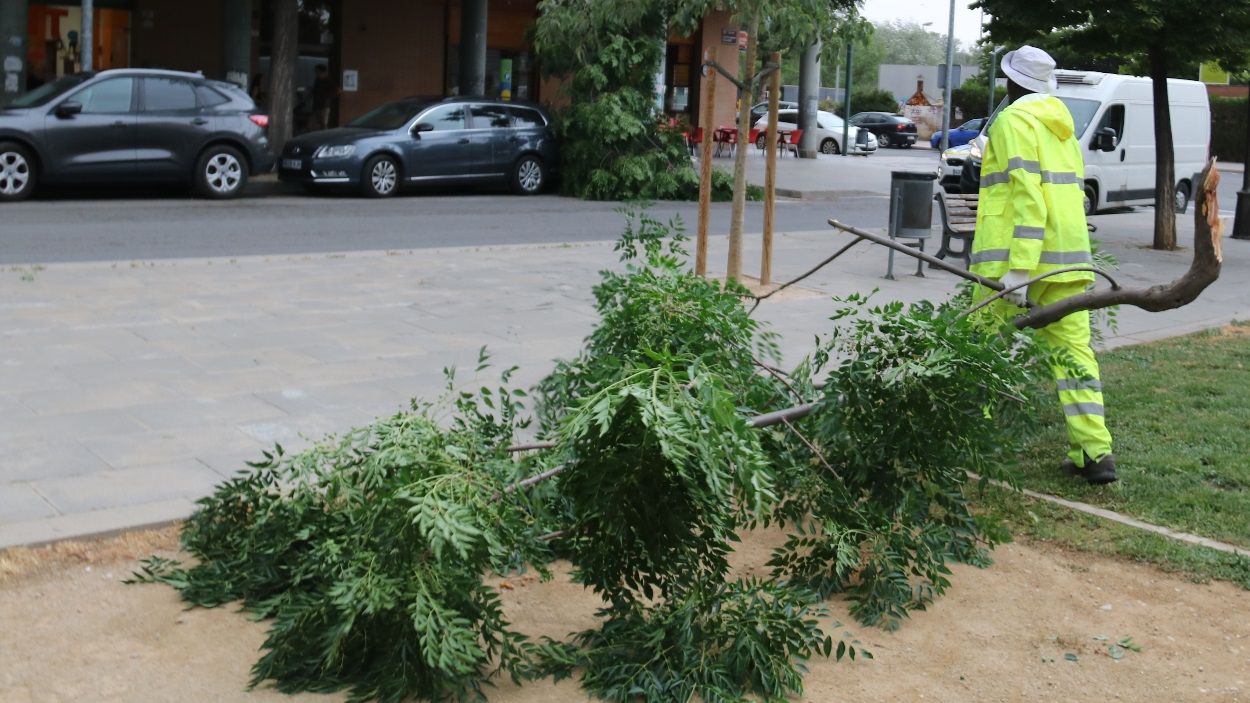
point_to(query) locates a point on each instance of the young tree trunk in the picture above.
(282, 70)
(1165, 166)
(733, 269)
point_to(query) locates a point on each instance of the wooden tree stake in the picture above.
(770, 173)
(705, 163)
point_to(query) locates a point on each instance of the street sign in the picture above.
(1212, 74)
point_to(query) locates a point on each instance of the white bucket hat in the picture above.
(1030, 68)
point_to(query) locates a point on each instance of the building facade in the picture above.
(377, 50)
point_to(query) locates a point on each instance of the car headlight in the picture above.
(335, 152)
(975, 151)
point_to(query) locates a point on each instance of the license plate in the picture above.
(292, 164)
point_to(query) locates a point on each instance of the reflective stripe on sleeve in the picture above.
(1060, 177)
(1075, 384)
(1071, 409)
(981, 257)
(1023, 232)
(1015, 162)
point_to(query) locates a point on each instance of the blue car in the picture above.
(961, 135)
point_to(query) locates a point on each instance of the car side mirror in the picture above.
(423, 127)
(69, 108)
(1104, 139)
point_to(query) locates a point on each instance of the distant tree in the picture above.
(1161, 35)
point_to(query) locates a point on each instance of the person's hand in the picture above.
(1014, 278)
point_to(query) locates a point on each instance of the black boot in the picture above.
(1098, 473)
(1101, 472)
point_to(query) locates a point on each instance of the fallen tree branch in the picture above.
(1115, 285)
(1203, 271)
(761, 298)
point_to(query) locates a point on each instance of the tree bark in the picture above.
(1165, 162)
(733, 268)
(282, 70)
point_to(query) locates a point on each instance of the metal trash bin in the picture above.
(911, 211)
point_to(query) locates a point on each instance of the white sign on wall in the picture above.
(351, 81)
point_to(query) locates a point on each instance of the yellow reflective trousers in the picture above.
(1080, 395)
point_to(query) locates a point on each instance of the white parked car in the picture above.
(828, 132)
(951, 166)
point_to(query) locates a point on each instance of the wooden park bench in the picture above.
(959, 221)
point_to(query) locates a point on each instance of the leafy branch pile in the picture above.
(368, 554)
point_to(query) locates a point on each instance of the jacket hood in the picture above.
(1048, 110)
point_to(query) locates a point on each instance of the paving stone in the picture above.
(96, 523)
(31, 458)
(20, 502)
(198, 412)
(123, 487)
(182, 444)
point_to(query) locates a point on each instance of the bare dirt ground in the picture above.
(70, 631)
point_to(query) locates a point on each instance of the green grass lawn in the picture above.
(1179, 413)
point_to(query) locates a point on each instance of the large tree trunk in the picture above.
(733, 268)
(1165, 161)
(282, 68)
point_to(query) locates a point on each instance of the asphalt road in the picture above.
(134, 225)
(111, 227)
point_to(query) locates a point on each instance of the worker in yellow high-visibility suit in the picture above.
(1031, 220)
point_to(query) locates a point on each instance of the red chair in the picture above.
(695, 141)
(754, 137)
(792, 140)
(726, 137)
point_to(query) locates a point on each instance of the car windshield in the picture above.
(49, 91)
(389, 116)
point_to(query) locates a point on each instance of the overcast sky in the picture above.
(967, 22)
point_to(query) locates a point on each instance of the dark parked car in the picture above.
(132, 125)
(422, 140)
(890, 129)
(960, 135)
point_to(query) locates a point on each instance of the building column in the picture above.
(86, 36)
(236, 47)
(809, 99)
(473, 47)
(13, 42)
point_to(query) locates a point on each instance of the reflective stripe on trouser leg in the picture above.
(1080, 397)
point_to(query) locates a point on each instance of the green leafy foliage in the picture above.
(916, 397)
(367, 554)
(614, 145)
(720, 643)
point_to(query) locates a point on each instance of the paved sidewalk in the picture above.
(129, 389)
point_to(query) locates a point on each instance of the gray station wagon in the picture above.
(426, 141)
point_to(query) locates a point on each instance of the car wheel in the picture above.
(829, 146)
(380, 178)
(17, 172)
(885, 141)
(529, 175)
(1182, 197)
(220, 172)
(761, 142)
(1091, 200)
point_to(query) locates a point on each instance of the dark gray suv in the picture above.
(429, 140)
(132, 125)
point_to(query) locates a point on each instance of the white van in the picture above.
(1122, 172)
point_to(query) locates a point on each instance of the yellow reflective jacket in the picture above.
(1031, 213)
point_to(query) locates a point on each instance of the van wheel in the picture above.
(1182, 197)
(829, 146)
(529, 176)
(220, 173)
(17, 172)
(1091, 199)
